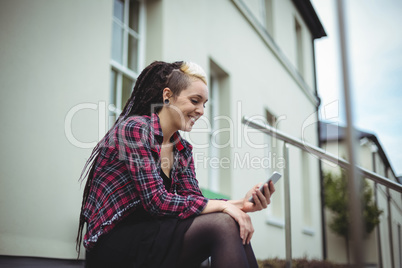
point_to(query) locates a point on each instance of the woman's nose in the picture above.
(200, 110)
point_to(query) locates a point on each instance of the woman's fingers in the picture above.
(267, 194)
(264, 198)
(250, 236)
(271, 187)
(250, 232)
(244, 221)
(246, 228)
(257, 201)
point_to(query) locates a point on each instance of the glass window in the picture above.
(269, 17)
(133, 53)
(134, 18)
(118, 9)
(213, 180)
(299, 48)
(113, 85)
(262, 11)
(276, 209)
(128, 85)
(125, 61)
(117, 43)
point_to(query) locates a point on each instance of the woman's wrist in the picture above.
(215, 206)
(238, 203)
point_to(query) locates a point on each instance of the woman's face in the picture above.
(189, 105)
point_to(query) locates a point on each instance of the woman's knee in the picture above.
(224, 219)
(222, 224)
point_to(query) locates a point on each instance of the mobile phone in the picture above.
(274, 178)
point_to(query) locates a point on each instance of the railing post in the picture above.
(354, 182)
(288, 227)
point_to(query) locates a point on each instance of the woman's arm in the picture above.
(237, 208)
(136, 146)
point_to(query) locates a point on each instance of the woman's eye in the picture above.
(194, 101)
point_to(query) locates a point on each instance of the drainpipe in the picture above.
(322, 202)
(391, 242)
(379, 248)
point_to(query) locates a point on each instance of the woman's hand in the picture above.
(261, 200)
(244, 221)
(233, 210)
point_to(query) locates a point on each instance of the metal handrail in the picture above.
(320, 153)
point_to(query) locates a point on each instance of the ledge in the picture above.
(276, 222)
(308, 231)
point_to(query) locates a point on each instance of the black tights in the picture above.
(216, 235)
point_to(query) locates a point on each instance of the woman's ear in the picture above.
(167, 93)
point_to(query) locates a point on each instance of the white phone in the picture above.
(274, 178)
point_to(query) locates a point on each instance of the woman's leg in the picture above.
(216, 235)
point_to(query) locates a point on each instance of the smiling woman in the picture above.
(142, 205)
(186, 108)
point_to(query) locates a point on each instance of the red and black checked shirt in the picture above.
(127, 176)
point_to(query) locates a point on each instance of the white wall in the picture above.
(336, 244)
(54, 55)
(257, 81)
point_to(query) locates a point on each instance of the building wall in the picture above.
(257, 81)
(54, 56)
(378, 243)
(58, 68)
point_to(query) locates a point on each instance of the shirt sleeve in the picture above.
(139, 147)
(187, 182)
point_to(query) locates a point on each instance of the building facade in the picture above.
(69, 66)
(382, 247)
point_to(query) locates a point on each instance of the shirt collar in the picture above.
(177, 140)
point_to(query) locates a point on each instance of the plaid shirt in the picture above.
(127, 176)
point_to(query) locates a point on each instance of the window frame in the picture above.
(122, 70)
(213, 173)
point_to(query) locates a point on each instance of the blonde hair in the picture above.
(194, 70)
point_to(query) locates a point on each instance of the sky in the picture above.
(375, 56)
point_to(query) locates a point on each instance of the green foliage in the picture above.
(336, 200)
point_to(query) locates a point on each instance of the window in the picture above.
(274, 154)
(219, 175)
(299, 48)
(269, 17)
(213, 176)
(262, 12)
(126, 50)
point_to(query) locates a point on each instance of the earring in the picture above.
(166, 101)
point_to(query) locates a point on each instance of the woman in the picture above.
(142, 205)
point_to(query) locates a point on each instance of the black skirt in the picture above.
(140, 241)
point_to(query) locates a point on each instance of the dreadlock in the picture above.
(146, 98)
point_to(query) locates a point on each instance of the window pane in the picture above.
(126, 90)
(113, 92)
(133, 53)
(134, 15)
(117, 43)
(113, 86)
(118, 9)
